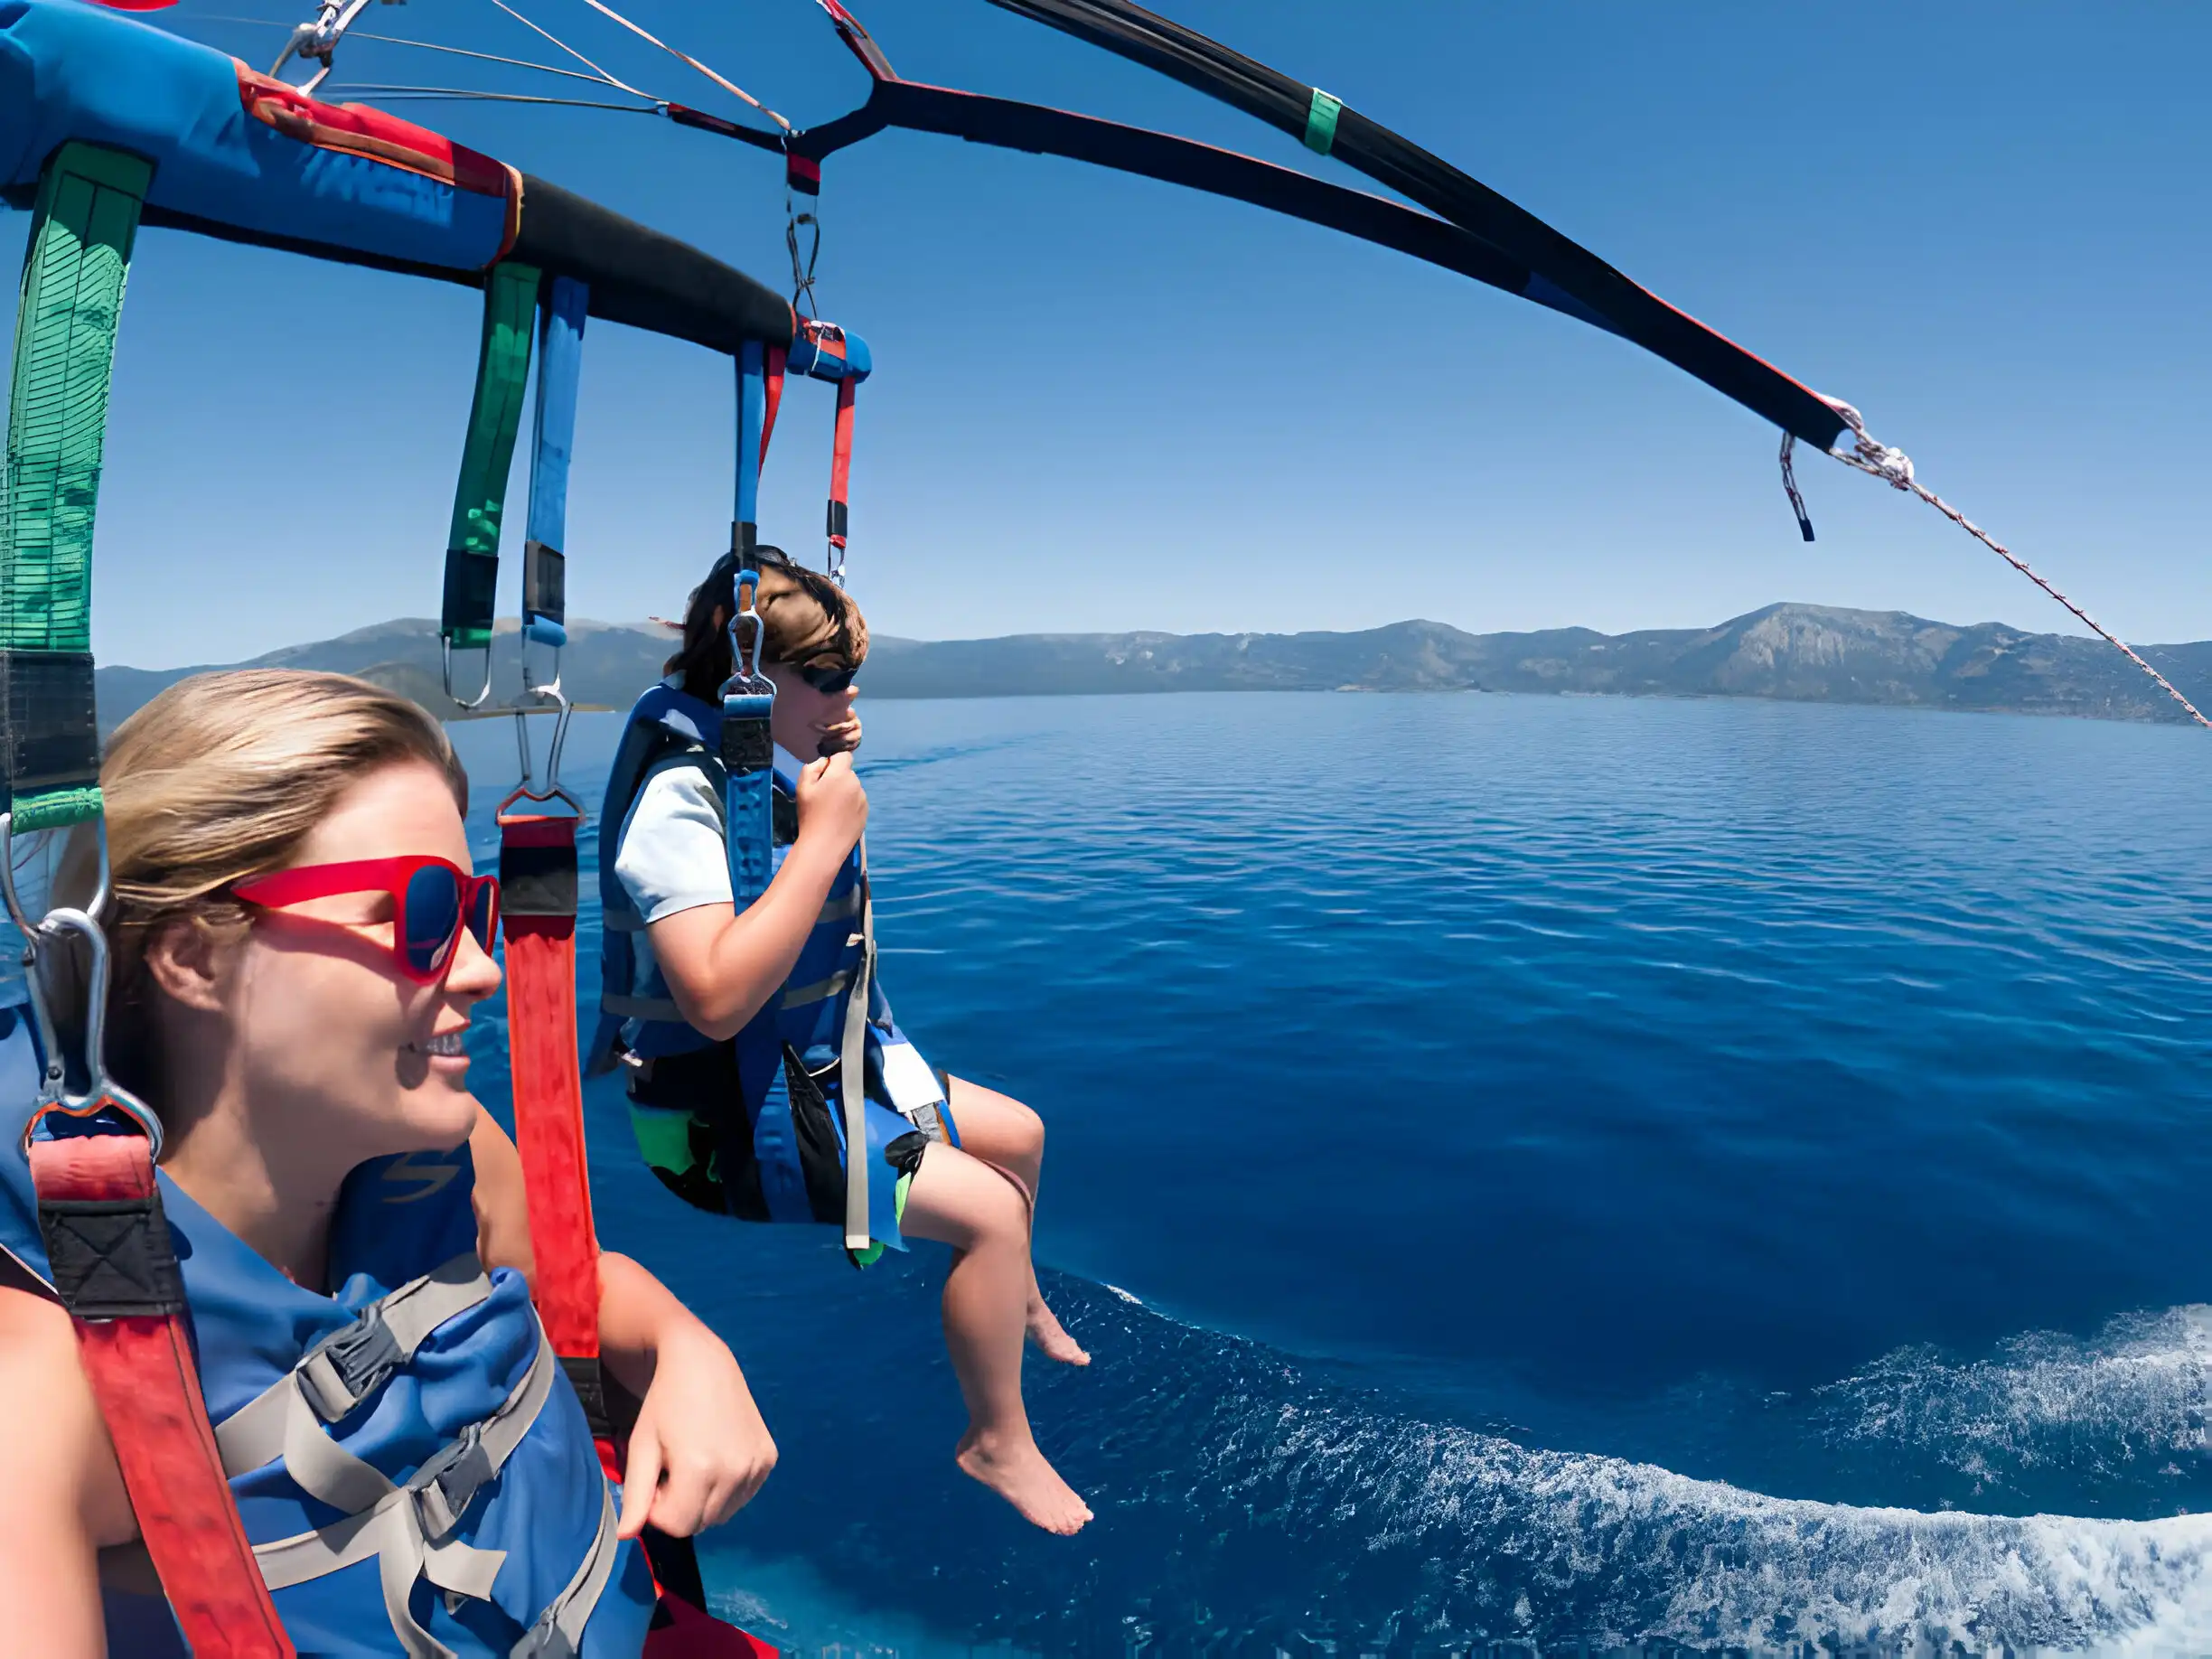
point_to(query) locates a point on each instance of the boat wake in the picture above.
(1242, 1502)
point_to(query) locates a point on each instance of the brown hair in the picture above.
(807, 619)
(219, 779)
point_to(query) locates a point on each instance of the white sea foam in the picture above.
(1626, 1550)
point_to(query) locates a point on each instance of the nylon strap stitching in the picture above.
(496, 420)
(75, 268)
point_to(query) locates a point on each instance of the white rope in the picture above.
(549, 35)
(1894, 467)
(729, 85)
(452, 95)
(488, 57)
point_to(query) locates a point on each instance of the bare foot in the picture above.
(1051, 1340)
(1019, 1473)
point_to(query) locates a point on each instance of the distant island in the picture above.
(1800, 652)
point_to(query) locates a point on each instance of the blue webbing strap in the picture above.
(561, 364)
(751, 415)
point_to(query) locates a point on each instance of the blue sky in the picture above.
(1103, 403)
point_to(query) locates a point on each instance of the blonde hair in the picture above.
(219, 779)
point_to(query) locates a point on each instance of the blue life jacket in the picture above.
(412, 1467)
(777, 1150)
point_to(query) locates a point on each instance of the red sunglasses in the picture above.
(432, 901)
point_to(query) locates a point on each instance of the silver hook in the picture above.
(23, 924)
(528, 790)
(445, 654)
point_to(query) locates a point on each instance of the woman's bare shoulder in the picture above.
(70, 1463)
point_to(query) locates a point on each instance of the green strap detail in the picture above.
(1321, 122)
(663, 1137)
(84, 221)
(870, 1256)
(495, 417)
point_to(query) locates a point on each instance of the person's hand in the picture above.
(831, 803)
(699, 1450)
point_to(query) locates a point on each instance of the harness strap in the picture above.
(560, 367)
(84, 223)
(495, 419)
(109, 1252)
(752, 442)
(558, 1633)
(748, 794)
(841, 471)
(641, 1007)
(406, 1528)
(537, 882)
(347, 1366)
(852, 1075)
(818, 990)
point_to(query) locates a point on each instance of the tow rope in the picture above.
(108, 1253)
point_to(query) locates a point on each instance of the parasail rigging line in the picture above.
(549, 35)
(728, 85)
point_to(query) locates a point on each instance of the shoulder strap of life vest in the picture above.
(108, 1253)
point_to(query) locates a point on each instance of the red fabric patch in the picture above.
(357, 129)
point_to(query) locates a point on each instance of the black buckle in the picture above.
(362, 1355)
(444, 1486)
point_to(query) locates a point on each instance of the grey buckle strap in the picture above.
(821, 990)
(641, 1007)
(408, 1529)
(558, 1633)
(350, 1365)
(852, 1073)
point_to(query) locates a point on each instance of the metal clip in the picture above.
(445, 656)
(746, 674)
(317, 41)
(528, 789)
(54, 1094)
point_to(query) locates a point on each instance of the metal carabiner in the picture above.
(13, 900)
(530, 684)
(101, 1091)
(317, 41)
(744, 664)
(528, 790)
(445, 655)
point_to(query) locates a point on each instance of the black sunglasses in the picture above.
(828, 681)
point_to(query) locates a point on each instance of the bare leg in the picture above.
(1003, 1132)
(959, 1201)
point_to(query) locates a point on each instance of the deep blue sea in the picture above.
(1532, 1171)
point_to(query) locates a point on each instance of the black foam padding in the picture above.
(645, 277)
(49, 722)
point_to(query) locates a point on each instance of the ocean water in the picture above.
(1537, 1176)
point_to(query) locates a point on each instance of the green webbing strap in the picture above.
(495, 416)
(81, 230)
(1321, 122)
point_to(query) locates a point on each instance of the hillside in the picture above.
(1795, 651)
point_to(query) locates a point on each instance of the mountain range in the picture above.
(1803, 652)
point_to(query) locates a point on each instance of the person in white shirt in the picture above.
(970, 1177)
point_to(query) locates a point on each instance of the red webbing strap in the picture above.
(540, 920)
(538, 895)
(109, 1257)
(777, 357)
(840, 463)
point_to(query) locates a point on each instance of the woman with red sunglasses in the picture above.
(735, 1025)
(299, 944)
